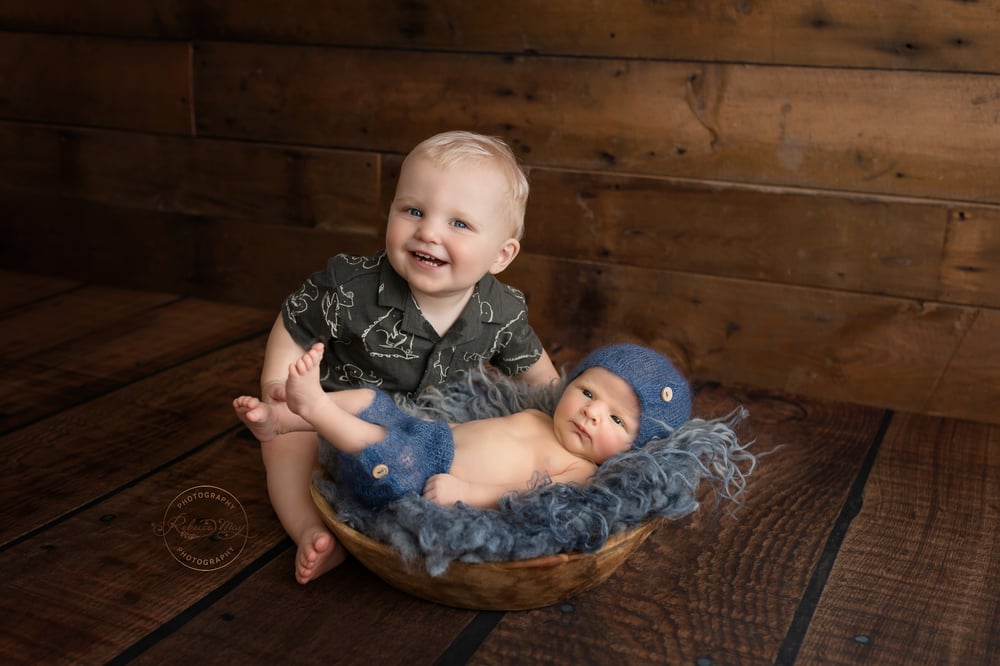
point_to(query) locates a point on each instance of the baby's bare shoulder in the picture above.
(534, 416)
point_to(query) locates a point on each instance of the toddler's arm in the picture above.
(542, 373)
(281, 352)
(333, 415)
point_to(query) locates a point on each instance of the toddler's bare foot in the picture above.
(267, 420)
(260, 417)
(318, 553)
(303, 390)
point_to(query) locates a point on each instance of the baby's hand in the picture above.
(445, 489)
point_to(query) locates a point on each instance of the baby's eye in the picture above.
(618, 420)
(587, 393)
(415, 212)
(460, 224)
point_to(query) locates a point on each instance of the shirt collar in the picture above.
(484, 307)
(393, 292)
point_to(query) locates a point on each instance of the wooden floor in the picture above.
(867, 537)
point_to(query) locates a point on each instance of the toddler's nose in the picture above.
(428, 231)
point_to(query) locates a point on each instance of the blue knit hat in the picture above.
(664, 395)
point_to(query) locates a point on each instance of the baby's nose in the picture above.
(595, 410)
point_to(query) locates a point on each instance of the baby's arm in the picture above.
(447, 489)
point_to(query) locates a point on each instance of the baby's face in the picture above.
(597, 416)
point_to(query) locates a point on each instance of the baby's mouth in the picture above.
(428, 259)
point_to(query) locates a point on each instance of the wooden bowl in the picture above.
(512, 585)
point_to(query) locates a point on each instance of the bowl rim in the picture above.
(490, 585)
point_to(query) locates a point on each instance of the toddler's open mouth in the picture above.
(428, 259)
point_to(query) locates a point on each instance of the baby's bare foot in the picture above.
(303, 390)
(258, 416)
(318, 553)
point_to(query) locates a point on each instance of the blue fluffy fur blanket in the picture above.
(659, 480)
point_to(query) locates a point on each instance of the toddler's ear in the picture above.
(508, 251)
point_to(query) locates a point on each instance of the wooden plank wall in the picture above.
(796, 196)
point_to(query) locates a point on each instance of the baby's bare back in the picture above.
(509, 450)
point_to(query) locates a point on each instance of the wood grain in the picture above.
(217, 259)
(131, 247)
(840, 345)
(325, 189)
(61, 318)
(852, 33)
(966, 389)
(852, 243)
(714, 585)
(969, 267)
(128, 84)
(917, 577)
(73, 371)
(846, 129)
(927, 250)
(103, 579)
(18, 288)
(57, 465)
(819, 180)
(832, 345)
(348, 616)
(910, 578)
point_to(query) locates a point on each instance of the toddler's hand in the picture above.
(445, 489)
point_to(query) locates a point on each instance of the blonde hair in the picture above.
(449, 148)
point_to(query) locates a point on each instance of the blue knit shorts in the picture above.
(413, 451)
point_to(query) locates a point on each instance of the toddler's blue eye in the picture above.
(460, 224)
(415, 212)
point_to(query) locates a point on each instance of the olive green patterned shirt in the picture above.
(376, 336)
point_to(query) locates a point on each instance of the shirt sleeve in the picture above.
(313, 312)
(517, 344)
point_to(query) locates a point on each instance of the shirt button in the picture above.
(379, 471)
